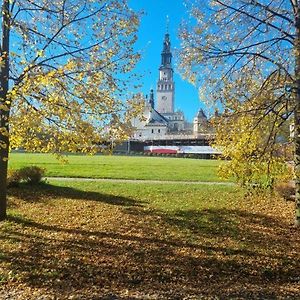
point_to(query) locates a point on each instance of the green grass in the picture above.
(126, 167)
(147, 241)
(167, 198)
(91, 239)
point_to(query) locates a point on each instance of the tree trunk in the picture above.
(297, 117)
(4, 108)
(3, 180)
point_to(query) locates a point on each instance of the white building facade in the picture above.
(159, 119)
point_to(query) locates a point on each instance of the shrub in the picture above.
(31, 175)
(13, 178)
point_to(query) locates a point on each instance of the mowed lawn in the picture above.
(126, 167)
(91, 240)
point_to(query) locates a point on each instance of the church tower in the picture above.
(165, 85)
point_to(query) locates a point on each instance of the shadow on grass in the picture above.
(231, 223)
(254, 234)
(44, 191)
(211, 252)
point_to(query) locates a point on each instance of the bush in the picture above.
(31, 175)
(13, 178)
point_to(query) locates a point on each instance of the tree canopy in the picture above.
(245, 55)
(62, 87)
(65, 61)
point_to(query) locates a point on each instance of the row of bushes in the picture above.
(30, 175)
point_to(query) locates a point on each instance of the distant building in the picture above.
(161, 123)
(151, 125)
(201, 124)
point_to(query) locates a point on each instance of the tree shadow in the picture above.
(44, 191)
(239, 236)
(237, 224)
(231, 223)
(227, 253)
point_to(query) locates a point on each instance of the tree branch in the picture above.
(256, 19)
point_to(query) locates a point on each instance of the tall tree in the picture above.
(231, 39)
(61, 75)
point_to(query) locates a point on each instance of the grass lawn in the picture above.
(126, 167)
(126, 241)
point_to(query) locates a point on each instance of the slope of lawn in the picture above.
(68, 240)
(126, 167)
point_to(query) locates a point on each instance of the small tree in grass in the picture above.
(60, 88)
(254, 40)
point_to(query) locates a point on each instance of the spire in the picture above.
(201, 114)
(151, 101)
(166, 55)
(167, 24)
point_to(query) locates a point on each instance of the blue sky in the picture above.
(150, 41)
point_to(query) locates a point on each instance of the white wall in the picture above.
(150, 132)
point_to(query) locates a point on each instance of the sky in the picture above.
(150, 42)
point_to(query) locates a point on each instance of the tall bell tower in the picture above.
(166, 85)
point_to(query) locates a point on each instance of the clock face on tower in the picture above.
(164, 98)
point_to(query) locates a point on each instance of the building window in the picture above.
(152, 130)
(158, 130)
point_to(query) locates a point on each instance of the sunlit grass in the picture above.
(127, 167)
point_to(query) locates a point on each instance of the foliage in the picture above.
(65, 65)
(243, 60)
(103, 240)
(230, 42)
(62, 82)
(250, 140)
(227, 40)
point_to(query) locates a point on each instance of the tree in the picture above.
(248, 39)
(61, 75)
(250, 140)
